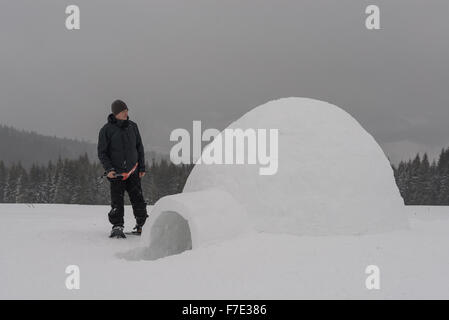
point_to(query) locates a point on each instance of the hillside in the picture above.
(30, 147)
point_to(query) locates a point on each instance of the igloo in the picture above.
(332, 179)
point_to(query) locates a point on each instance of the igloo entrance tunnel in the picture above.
(332, 178)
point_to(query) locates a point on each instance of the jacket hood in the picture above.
(120, 123)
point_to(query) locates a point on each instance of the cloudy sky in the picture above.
(177, 61)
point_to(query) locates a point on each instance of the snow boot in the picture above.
(137, 231)
(117, 232)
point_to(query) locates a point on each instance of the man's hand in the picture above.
(141, 174)
(111, 174)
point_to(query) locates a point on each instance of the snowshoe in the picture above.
(117, 232)
(137, 231)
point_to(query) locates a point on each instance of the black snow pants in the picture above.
(133, 186)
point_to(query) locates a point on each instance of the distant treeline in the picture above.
(79, 182)
(422, 183)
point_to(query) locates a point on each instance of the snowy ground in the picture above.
(38, 242)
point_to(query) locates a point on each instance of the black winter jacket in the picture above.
(120, 146)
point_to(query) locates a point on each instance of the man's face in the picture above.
(122, 115)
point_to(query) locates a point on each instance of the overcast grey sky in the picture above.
(177, 61)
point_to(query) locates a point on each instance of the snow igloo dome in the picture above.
(331, 178)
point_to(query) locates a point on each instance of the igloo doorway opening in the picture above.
(170, 234)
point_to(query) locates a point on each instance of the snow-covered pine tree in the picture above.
(2, 180)
(64, 184)
(11, 184)
(54, 180)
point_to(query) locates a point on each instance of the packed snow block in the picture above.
(189, 220)
(332, 176)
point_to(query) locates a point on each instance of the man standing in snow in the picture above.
(121, 153)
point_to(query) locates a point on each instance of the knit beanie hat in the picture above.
(118, 106)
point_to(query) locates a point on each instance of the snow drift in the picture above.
(333, 178)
